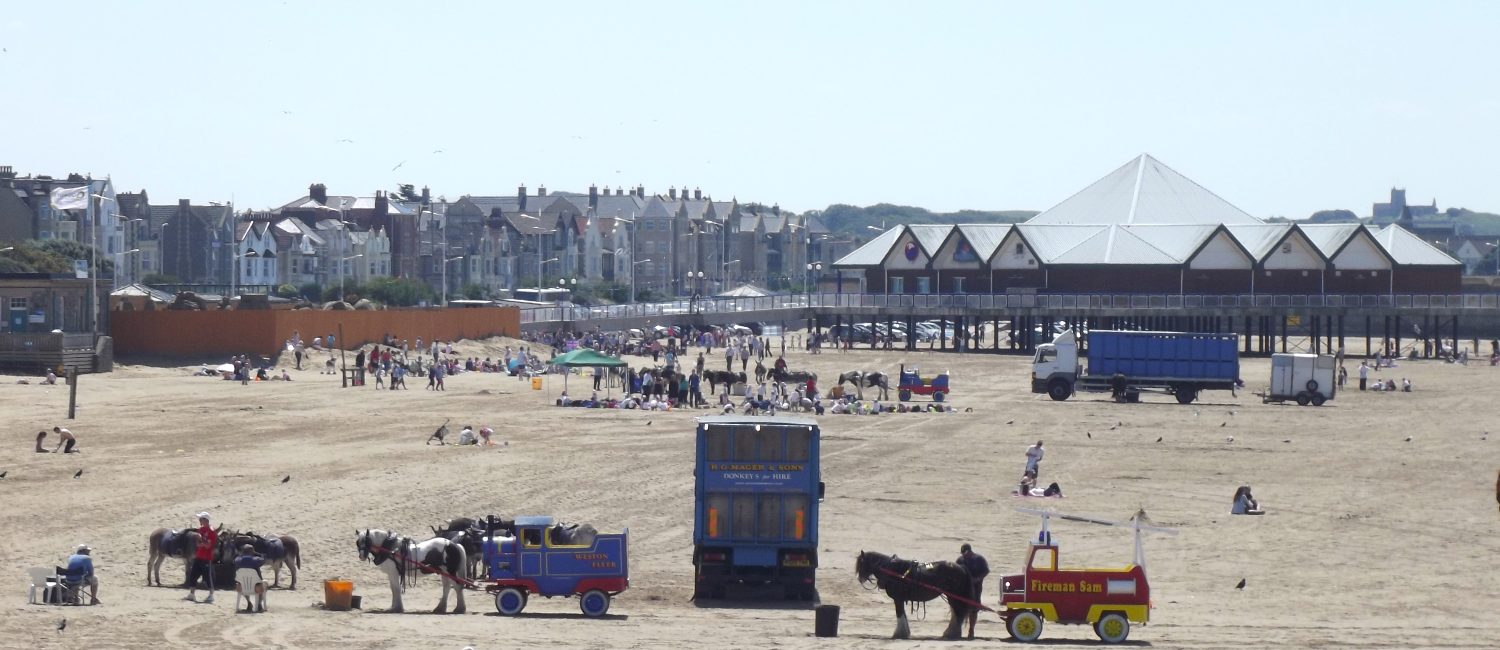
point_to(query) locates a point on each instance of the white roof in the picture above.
(1407, 248)
(1144, 191)
(744, 291)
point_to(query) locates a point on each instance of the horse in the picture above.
(863, 380)
(279, 551)
(793, 376)
(469, 533)
(915, 582)
(398, 556)
(760, 372)
(165, 543)
(716, 377)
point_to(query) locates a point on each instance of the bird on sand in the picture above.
(63, 625)
(648, 423)
(2, 474)
(1120, 423)
(1198, 413)
(80, 473)
(1241, 585)
(1287, 440)
(1111, 427)
(1408, 438)
(1159, 439)
(1224, 424)
(1231, 414)
(1486, 435)
(1090, 435)
(288, 478)
(1010, 421)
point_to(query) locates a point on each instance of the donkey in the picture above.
(863, 380)
(181, 544)
(906, 581)
(399, 556)
(279, 551)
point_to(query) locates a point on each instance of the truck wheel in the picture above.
(1058, 390)
(937, 395)
(1318, 399)
(1112, 628)
(905, 395)
(1186, 395)
(1303, 399)
(594, 602)
(1312, 385)
(510, 601)
(1024, 625)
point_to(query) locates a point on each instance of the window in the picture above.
(531, 537)
(743, 516)
(768, 521)
(372, 268)
(744, 445)
(385, 267)
(648, 224)
(1043, 559)
(650, 247)
(307, 265)
(18, 304)
(924, 285)
(798, 445)
(768, 442)
(717, 443)
(265, 266)
(1020, 249)
(898, 285)
(1044, 356)
(958, 285)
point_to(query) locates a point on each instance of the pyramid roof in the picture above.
(1144, 191)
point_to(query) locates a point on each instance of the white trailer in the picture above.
(1305, 378)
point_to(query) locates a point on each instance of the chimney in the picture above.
(640, 190)
(426, 195)
(7, 176)
(606, 191)
(594, 195)
(541, 190)
(618, 192)
(521, 195)
(776, 209)
(697, 194)
(672, 192)
(382, 203)
(318, 192)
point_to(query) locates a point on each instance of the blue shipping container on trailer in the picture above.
(755, 517)
(1164, 355)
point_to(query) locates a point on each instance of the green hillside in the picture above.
(855, 221)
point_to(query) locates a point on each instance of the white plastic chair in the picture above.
(39, 578)
(245, 581)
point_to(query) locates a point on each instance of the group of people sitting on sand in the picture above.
(1028, 487)
(1389, 386)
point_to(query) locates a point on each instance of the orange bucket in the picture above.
(338, 595)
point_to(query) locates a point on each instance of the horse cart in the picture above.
(539, 557)
(1108, 599)
(912, 383)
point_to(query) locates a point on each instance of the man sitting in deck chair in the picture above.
(248, 581)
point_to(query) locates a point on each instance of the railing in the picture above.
(1005, 301)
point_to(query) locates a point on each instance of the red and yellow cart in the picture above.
(1108, 599)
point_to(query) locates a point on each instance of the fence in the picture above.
(265, 332)
(1004, 301)
(39, 351)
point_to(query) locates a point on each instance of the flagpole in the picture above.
(93, 272)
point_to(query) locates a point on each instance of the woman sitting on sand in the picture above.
(1244, 504)
(1028, 487)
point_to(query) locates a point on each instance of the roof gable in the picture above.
(1294, 251)
(1409, 249)
(874, 252)
(1144, 191)
(1360, 252)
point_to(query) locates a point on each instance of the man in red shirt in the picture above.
(202, 559)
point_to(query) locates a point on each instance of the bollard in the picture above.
(827, 623)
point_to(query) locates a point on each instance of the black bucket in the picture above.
(827, 621)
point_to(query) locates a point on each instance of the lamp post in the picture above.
(446, 260)
(632, 278)
(814, 270)
(539, 262)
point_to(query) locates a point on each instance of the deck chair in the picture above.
(42, 579)
(72, 592)
(245, 581)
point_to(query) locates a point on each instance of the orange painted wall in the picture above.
(263, 332)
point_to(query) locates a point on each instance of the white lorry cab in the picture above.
(1055, 368)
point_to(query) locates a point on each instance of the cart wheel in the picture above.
(1112, 628)
(905, 395)
(1303, 399)
(510, 601)
(1318, 399)
(1025, 625)
(1312, 385)
(594, 602)
(937, 395)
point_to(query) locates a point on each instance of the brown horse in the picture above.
(279, 551)
(907, 581)
(165, 543)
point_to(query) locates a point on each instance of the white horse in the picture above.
(399, 556)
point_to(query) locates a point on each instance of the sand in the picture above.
(1371, 541)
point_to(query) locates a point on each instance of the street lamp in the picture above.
(445, 275)
(539, 263)
(814, 270)
(632, 278)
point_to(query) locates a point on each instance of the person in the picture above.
(1244, 503)
(202, 557)
(81, 570)
(64, 437)
(379, 378)
(1034, 455)
(398, 377)
(1343, 376)
(1405, 385)
(249, 559)
(51, 379)
(439, 375)
(485, 433)
(1364, 373)
(41, 437)
(978, 568)
(297, 351)
(466, 436)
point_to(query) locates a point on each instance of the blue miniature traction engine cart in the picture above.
(532, 559)
(912, 383)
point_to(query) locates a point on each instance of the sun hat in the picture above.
(203, 515)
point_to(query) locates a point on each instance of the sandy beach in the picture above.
(1370, 541)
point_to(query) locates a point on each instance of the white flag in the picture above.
(70, 198)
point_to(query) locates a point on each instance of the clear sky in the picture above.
(1280, 108)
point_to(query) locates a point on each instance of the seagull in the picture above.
(1408, 438)
(398, 165)
(1111, 427)
(63, 625)
(1010, 421)
(1090, 435)
(1287, 440)
(2, 474)
(1159, 439)
(438, 151)
(286, 112)
(346, 140)
(648, 423)
(80, 473)
(1229, 439)
(1231, 414)
(1486, 436)
(1241, 585)
(1121, 423)
(288, 478)
(1224, 424)
(1198, 413)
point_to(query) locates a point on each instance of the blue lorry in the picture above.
(755, 520)
(1126, 363)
